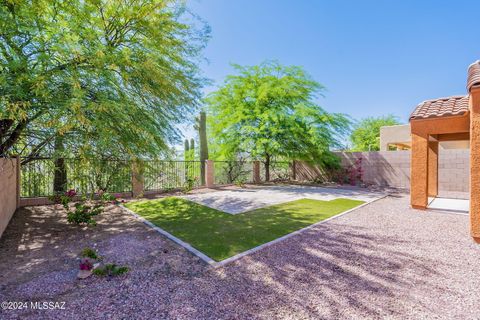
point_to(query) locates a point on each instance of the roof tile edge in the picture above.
(473, 78)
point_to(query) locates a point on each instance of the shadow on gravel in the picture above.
(325, 272)
(335, 270)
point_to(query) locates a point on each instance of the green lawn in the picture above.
(221, 235)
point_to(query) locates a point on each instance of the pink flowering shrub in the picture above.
(86, 264)
(352, 175)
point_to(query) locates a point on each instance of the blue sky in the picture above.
(374, 57)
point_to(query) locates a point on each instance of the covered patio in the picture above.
(455, 118)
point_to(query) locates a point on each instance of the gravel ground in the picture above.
(381, 261)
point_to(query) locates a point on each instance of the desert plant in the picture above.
(84, 213)
(64, 198)
(90, 253)
(189, 184)
(201, 126)
(110, 270)
(240, 182)
(108, 197)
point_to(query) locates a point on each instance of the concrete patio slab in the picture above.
(247, 199)
(458, 205)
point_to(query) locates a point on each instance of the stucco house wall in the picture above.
(8, 191)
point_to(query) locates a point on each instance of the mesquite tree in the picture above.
(269, 111)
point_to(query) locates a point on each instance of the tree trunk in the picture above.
(267, 167)
(60, 174)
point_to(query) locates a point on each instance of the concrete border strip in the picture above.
(217, 264)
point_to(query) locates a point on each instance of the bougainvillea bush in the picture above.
(352, 175)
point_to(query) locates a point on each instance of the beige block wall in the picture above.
(392, 168)
(8, 191)
(384, 168)
(454, 170)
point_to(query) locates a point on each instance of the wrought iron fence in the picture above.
(160, 175)
(229, 172)
(85, 176)
(279, 171)
(89, 176)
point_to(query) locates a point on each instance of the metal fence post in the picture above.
(294, 170)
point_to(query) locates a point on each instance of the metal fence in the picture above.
(85, 176)
(229, 172)
(115, 176)
(160, 175)
(279, 171)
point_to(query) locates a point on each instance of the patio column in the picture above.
(433, 167)
(137, 179)
(256, 172)
(419, 171)
(475, 163)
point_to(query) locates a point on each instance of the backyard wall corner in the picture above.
(8, 190)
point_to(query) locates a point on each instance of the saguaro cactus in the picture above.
(192, 149)
(185, 151)
(202, 134)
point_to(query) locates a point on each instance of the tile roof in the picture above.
(443, 107)
(473, 75)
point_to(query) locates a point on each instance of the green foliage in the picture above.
(63, 198)
(269, 111)
(189, 184)
(90, 253)
(83, 213)
(366, 133)
(110, 270)
(108, 197)
(113, 77)
(240, 182)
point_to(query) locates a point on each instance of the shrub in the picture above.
(90, 253)
(189, 184)
(105, 196)
(110, 270)
(63, 198)
(240, 182)
(84, 213)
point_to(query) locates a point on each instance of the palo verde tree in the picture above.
(366, 133)
(269, 112)
(112, 77)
